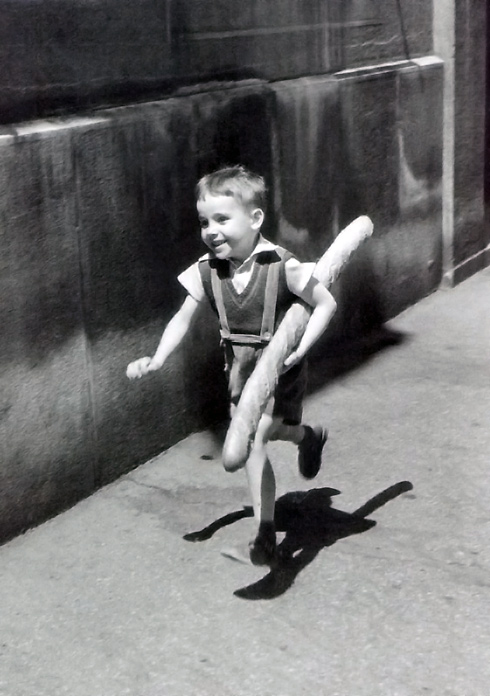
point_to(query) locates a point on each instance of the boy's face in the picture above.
(228, 228)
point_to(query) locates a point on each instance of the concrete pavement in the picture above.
(108, 599)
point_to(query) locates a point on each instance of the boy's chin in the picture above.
(221, 254)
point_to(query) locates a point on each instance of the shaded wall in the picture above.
(97, 219)
(460, 36)
(340, 156)
(70, 54)
(275, 39)
(471, 241)
(59, 55)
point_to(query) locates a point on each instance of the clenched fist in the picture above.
(140, 367)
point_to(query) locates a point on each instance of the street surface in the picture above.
(109, 599)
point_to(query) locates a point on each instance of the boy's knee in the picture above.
(270, 428)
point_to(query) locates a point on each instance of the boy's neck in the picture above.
(238, 261)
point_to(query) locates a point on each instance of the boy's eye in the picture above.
(221, 219)
(203, 223)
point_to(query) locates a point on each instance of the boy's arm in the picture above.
(317, 296)
(174, 332)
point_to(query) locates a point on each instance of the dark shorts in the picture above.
(287, 402)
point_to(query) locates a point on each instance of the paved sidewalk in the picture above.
(108, 599)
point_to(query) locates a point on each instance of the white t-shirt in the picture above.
(297, 274)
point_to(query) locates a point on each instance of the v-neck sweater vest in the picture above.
(245, 310)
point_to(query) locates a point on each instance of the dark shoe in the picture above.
(310, 451)
(263, 549)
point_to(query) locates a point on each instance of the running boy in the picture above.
(251, 283)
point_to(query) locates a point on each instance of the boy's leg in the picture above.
(288, 405)
(240, 362)
(310, 443)
(262, 485)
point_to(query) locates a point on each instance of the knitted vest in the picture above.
(252, 316)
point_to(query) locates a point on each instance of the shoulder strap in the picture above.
(220, 305)
(270, 302)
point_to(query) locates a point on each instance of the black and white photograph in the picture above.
(244, 347)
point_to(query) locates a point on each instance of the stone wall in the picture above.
(460, 35)
(97, 219)
(60, 56)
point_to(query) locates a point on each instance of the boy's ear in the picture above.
(257, 218)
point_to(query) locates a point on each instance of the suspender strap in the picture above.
(270, 301)
(220, 305)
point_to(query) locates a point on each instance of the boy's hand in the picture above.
(140, 367)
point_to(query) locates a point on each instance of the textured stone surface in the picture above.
(460, 31)
(59, 55)
(65, 55)
(470, 100)
(340, 156)
(45, 417)
(277, 39)
(98, 219)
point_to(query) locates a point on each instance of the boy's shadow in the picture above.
(311, 524)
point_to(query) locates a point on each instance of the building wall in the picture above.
(58, 55)
(97, 211)
(460, 39)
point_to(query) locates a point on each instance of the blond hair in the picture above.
(237, 181)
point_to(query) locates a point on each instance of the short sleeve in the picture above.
(190, 279)
(298, 274)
